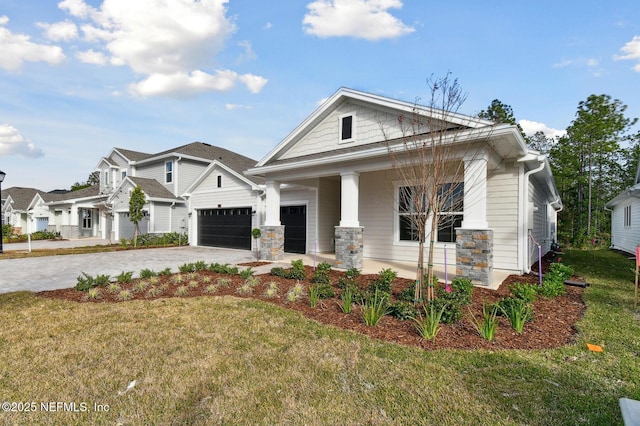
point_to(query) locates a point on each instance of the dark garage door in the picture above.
(230, 228)
(294, 219)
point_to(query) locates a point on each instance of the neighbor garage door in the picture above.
(230, 228)
(294, 219)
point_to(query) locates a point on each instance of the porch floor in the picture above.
(404, 269)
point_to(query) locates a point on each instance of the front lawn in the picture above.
(212, 360)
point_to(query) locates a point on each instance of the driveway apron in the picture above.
(56, 272)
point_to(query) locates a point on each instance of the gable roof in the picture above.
(73, 196)
(152, 188)
(20, 197)
(131, 155)
(400, 107)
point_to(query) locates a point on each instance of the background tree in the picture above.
(136, 204)
(427, 158)
(541, 143)
(588, 164)
(501, 113)
(93, 179)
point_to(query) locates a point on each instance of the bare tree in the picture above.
(428, 157)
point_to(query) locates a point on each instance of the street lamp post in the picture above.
(2, 175)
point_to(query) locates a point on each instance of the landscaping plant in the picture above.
(374, 308)
(429, 325)
(487, 328)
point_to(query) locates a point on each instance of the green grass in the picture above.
(225, 360)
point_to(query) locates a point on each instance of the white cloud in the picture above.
(631, 51)
(60, 31)
(231, 107)
(92, 57)
(367, 19)
(169, 42)
(268, 26)
(17, 48)
(249, 53)
(13, 143)
(532, 127)
(182, 84)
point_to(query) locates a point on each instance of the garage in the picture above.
(229, 228)
(294, 219)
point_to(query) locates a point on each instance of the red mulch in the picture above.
(552, 326)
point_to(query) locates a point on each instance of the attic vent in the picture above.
(206, 144)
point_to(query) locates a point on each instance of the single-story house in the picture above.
(346, 190)
(625, 217)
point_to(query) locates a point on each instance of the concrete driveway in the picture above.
(55, 272)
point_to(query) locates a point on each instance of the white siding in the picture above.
(502, 216)
(624, 237)
(186, 173)
(328, 213)
(367, 129)
(160, 218)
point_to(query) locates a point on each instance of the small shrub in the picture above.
(374, 309)
(518, 311)
(297, 271)
(487, 329)
(153, 280)
(223, 281)
(524, 292)
(352, 273)
(124, 277)
(183, 290)
(453, 302)
(272, 290)
(429, 326)
(94, 293)
(245, 289)
(211, 288)
(346, 300)
(186, 268)
(279, 272)
(321, 274)
(314, 297)
(141, 286)
(200, 265)
(193, 284)
(384, 282)
(147, 273)
(402, 310)
(102, 280)
(246, 273)
(85, 282)
(252, 281)
(177, 278)
(124, 295)
(113, 288)
(165, 272)
(154, 291)
(295, 293)
(206, 279)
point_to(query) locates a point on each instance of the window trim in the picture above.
(341, 118)
(627, 216)
(168, 171)
(397, 214)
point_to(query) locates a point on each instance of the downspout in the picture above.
(525, 202)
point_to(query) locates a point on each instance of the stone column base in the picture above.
(349, 247)
(272, 243)
(474, 255)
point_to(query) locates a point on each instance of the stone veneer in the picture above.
(349, 247)
(474, 255)
(272, 243)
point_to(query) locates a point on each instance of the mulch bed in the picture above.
(553, 324)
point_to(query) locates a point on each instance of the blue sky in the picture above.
(79, 77)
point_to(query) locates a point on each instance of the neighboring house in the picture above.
(169, 179)
(16, 209)
(346, 196)
(74, 214)
(625, 217)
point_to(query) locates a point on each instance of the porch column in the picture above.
(349, 235)
(474, 240)
(272, 239)
(475, 193)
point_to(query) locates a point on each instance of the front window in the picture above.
(412, 210)
(87, 219)
(124, 174)
(168, 172)
(106, 178)
(451, 196)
